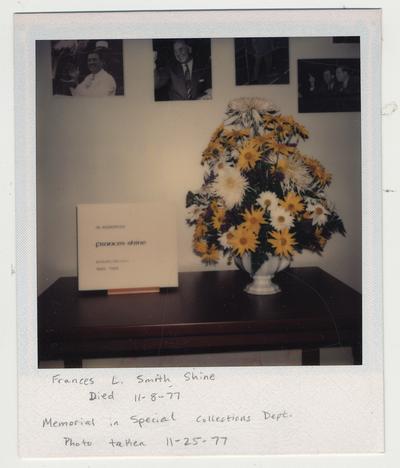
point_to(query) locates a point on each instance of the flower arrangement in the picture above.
(260, 196)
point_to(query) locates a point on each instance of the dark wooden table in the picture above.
(209, 312)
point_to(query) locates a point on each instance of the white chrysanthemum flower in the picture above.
(330, 205)
(207, 190)
(311, 203)
(262, 106)
(235, 154)
(225, 160)
(296, 175)
(237, 127)
(232, 128)
(319, 214)
(248, 112)
(193, 213)
(268, 200)
(281, 219)
(223, 238)
(220, 165)
(272, 158)
(230, 185)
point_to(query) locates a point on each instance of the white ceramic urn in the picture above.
(262, 283)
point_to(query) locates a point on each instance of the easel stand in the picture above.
(113, 292)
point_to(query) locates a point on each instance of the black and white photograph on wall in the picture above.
(262, 60)
(329, 85)
(92, 68)
(182, 69)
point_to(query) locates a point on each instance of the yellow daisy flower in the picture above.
(200, 230)
(279, 148)
(213, 150)
(211, 255)
(253, 219)
(310, 162)
(270, 121)
(242, 240)
(284, 127)
(288, 120)
(317, 170)
(233, 135)
(282, 165)
(320, 238)
(292, 203)
(283, 242)
(261, 140)
(302, 131)
(217, 132)
(299, 129)
(218, 218)
(248, 156)
(200, 247)
(283, 131)
(324, 176)
(214, 205)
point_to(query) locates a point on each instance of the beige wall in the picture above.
(130, 148)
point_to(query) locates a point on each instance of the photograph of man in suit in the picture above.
(182, 71)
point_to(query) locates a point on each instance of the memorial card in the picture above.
(122, 246)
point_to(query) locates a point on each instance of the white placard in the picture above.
(127, 246)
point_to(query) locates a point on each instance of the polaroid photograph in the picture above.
(255, 205)
(269, 256)
(92, 68)
(262, 60)
(182, 69)
(329, 85)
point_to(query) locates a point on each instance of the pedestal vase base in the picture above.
(262, 286)
(262, 283)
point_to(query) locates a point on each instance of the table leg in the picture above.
(310, 357)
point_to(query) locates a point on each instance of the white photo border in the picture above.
(121, 27)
